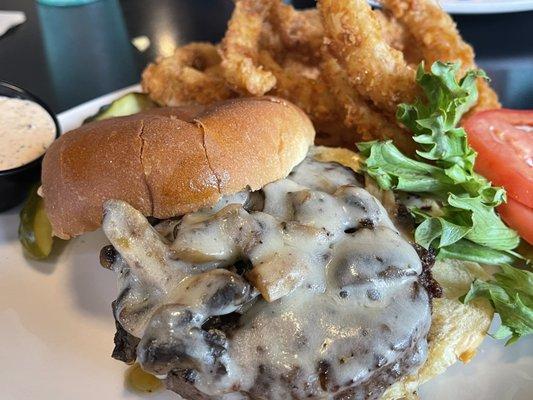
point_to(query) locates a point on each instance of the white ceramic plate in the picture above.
(481, 6)
(56, 327)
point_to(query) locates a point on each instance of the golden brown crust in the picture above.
(78, 175)
(192, 74)
(185, 113)
(244, 145)
(239, 49)
(171, 161)
(178, 175)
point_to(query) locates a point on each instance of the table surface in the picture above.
(70, 55)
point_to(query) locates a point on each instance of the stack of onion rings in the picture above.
(348, 66)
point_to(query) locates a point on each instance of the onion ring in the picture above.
(398, 37)
(376, 70)
(346, 65)
(300, 31)
(192, 74)
(303, 86)
(438, 39)
(367, 123)
(434, 31)
(487, 98)
(240, 48)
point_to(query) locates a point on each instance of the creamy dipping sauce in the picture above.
(323, 292)
(26, 131)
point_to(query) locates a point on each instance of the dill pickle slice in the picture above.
(35, 231)
(128, 104)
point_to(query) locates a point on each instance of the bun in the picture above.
(171, 161)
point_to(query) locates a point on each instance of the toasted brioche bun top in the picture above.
(171, 161)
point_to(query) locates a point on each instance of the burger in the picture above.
(254, 265)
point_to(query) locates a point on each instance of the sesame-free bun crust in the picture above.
(171, 161)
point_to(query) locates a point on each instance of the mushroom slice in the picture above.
(219, 238)
(277, 274)
(174, 336)
(139, 244)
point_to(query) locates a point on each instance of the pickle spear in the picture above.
(35, 231)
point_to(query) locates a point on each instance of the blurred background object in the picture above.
(65, 3)
(87, 50)
(68, 55)
(10, 19)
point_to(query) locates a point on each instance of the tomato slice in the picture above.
(519, 217)
(503, 140)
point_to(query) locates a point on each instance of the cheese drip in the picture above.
(323, 292)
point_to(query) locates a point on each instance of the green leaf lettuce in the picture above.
(511, 294)
(444, 169)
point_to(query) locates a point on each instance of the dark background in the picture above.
(70, 55)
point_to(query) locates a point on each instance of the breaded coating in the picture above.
(346, 65)
(367, 123)
(192, 74)
(398, 37)
(435, 32)
(375, 69)
(304, 86)
(240, 49)
(438, 39)
(301, 31)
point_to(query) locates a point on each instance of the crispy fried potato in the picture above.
(375, 69)
(192, 74)
(240, 48)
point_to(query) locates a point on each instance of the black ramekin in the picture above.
(15, 183)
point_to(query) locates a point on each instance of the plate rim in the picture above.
(91, 106)
(472, 7)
